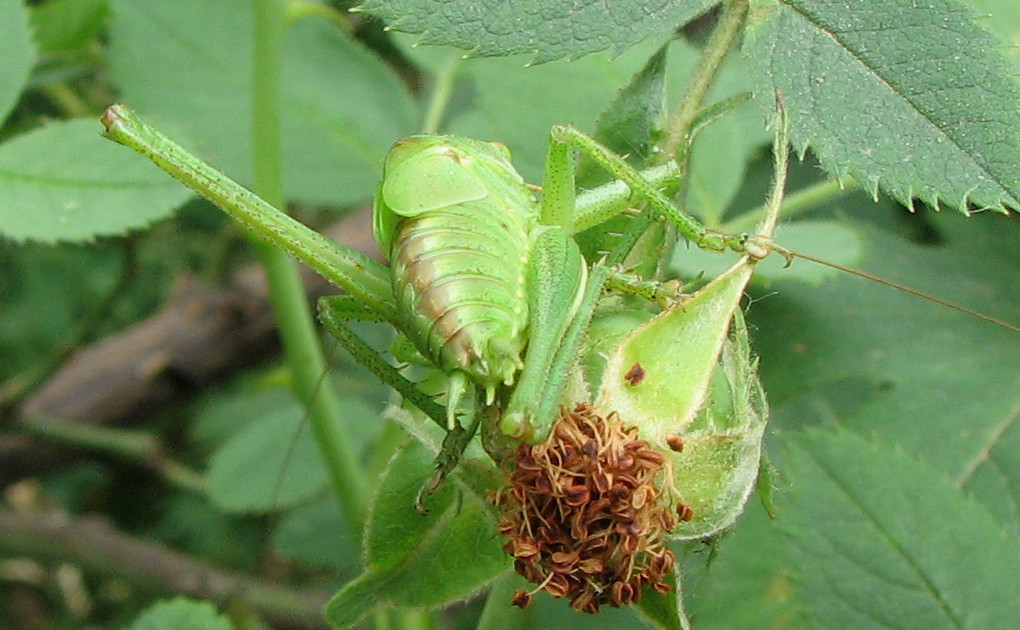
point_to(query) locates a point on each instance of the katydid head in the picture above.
(427, 173)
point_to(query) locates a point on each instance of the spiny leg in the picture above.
(665, 294)
(688, 226)
(454, 444)
(334, 312)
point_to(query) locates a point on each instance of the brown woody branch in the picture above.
(92, 544)
(201, 335)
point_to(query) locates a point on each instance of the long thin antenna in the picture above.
(915, 292)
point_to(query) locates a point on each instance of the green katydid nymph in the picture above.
(488, 284)
(457, 224)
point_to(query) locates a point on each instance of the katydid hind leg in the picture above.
(335, 312)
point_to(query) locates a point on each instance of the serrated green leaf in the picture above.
(545, 30)
(63, 25)
(272, 464)
(63, 182)
(883, 541)
(342, 108)
(904, 96)
(455, 549)
(16, 54)
(181, 614)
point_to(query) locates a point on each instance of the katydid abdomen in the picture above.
(459, 281)
(456, 220)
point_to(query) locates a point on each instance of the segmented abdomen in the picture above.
(459, 281)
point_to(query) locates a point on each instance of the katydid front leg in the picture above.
(345, 267)
(689, 227)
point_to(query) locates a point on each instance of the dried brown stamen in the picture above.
(584, 515)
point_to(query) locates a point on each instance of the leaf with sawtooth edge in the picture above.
(909, 97)
(546, 29)
(63, 182)
(1001, 19)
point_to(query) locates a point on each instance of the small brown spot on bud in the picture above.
(676, 443)
(635, 375)
(684, 512)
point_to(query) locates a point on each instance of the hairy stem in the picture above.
(297, 328)
(678, 129)
(440, 96)
(780, 155)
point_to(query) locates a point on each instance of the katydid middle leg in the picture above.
(335, 312)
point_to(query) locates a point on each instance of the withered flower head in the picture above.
(585, 514)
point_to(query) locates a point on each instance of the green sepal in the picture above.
(677, 352)
(681, 375)
(721, 460)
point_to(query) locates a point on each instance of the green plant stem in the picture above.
(803, 200)
(678, 129)
(297, 329)
(440, 96)
(781, 160)
(134, 446)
